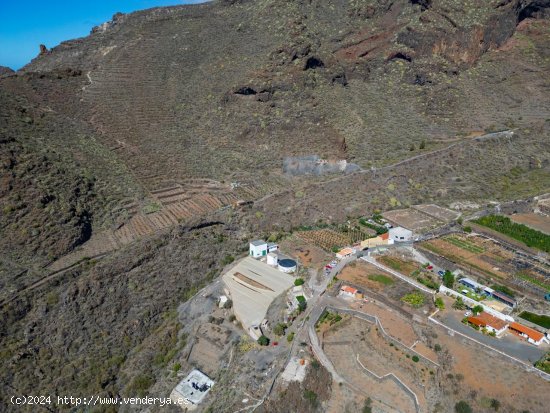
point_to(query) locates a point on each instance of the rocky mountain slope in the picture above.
(194, 108)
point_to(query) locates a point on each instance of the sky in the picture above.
(24, 25)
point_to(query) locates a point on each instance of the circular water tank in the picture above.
(272, 259)
(287, 265)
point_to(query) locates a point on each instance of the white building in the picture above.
(191, 390)
(400, 234)
(260, 248)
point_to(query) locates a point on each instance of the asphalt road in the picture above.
(508, 343)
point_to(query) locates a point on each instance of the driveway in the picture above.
(508, 343)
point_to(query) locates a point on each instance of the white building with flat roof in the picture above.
(191, 390)
(400, 234)
(260, 248)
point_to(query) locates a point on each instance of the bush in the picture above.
(439, 303)
(263, 341)
(463, 407)
(298, 281)
(280, 329)
(290, 337)
(228, 259)
(459, 304)
(448, 279)
(437, 347)
(468, 229)
(477, 309)
(310, 396)
(415, 358)
(495, 404)
(414, 299)
(367, 407)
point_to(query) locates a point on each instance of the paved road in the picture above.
(508, 344)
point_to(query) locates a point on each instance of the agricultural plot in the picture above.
(439, 213)
(412, 219)
(536, 221)
(326, 239)
(474, 254)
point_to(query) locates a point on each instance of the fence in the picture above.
(472, 303)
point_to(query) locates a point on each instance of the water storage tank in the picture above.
(287, 265)
(272, 259)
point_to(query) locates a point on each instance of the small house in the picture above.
(344, 253)
(400, 234)
(530, 334)
(489, 322)
(258, 248)
(348, 291)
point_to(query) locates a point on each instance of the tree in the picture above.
(459, 304)
(367, 407)
(448, 279)
(415, 358)
(495, 404)
(477, 309)
(263, 341)
(463, 407)
(422, 144)
(468, 229)
(298, 281)
(280, 329)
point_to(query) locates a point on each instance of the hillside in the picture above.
(122, 143)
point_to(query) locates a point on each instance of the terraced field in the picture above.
(326, 239)
(465, 244)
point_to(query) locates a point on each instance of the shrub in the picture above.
(310, 396)
(459, 304)
(468, 229)
(463, 407)
(367, 407)
(228, 259)
(477, 309)
(437, 347)
(414, 299)
(280, 329)
(263, 341)
(415, 358)
(448, 279)
(298, 281)
(290, 336)
(439, 303)
(495, 404)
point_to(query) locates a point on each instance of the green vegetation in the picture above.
(228, 259)
(459, 304)
(140, 385)
(382, 279)
(463, 407)
(544, 363)
(152, 207)
(310, 396)
(290, 337)
(414, 299)
(477, 309)
(302, 304)
(541, 320)
(439, 303)
(380, 229)
(415, 358)
(263, 341)
(299, 281)
(467, 229)
(520, 232)
(279, 329)
(329, 317)
(448, 279)
(503, 289)
(437, 347)
(428, 282)
(533, 280)
(367, 407)
(495, 404)
(465, 244)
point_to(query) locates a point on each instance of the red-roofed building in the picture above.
(487, 321)
(348, 291)
(530, 334)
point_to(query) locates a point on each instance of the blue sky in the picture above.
(24, 25)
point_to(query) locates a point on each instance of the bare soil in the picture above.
(535, 221)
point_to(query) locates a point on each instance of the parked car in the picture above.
(441, 273)
(430, 267)
(328, 267)
(467, 314)
(334, 263)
